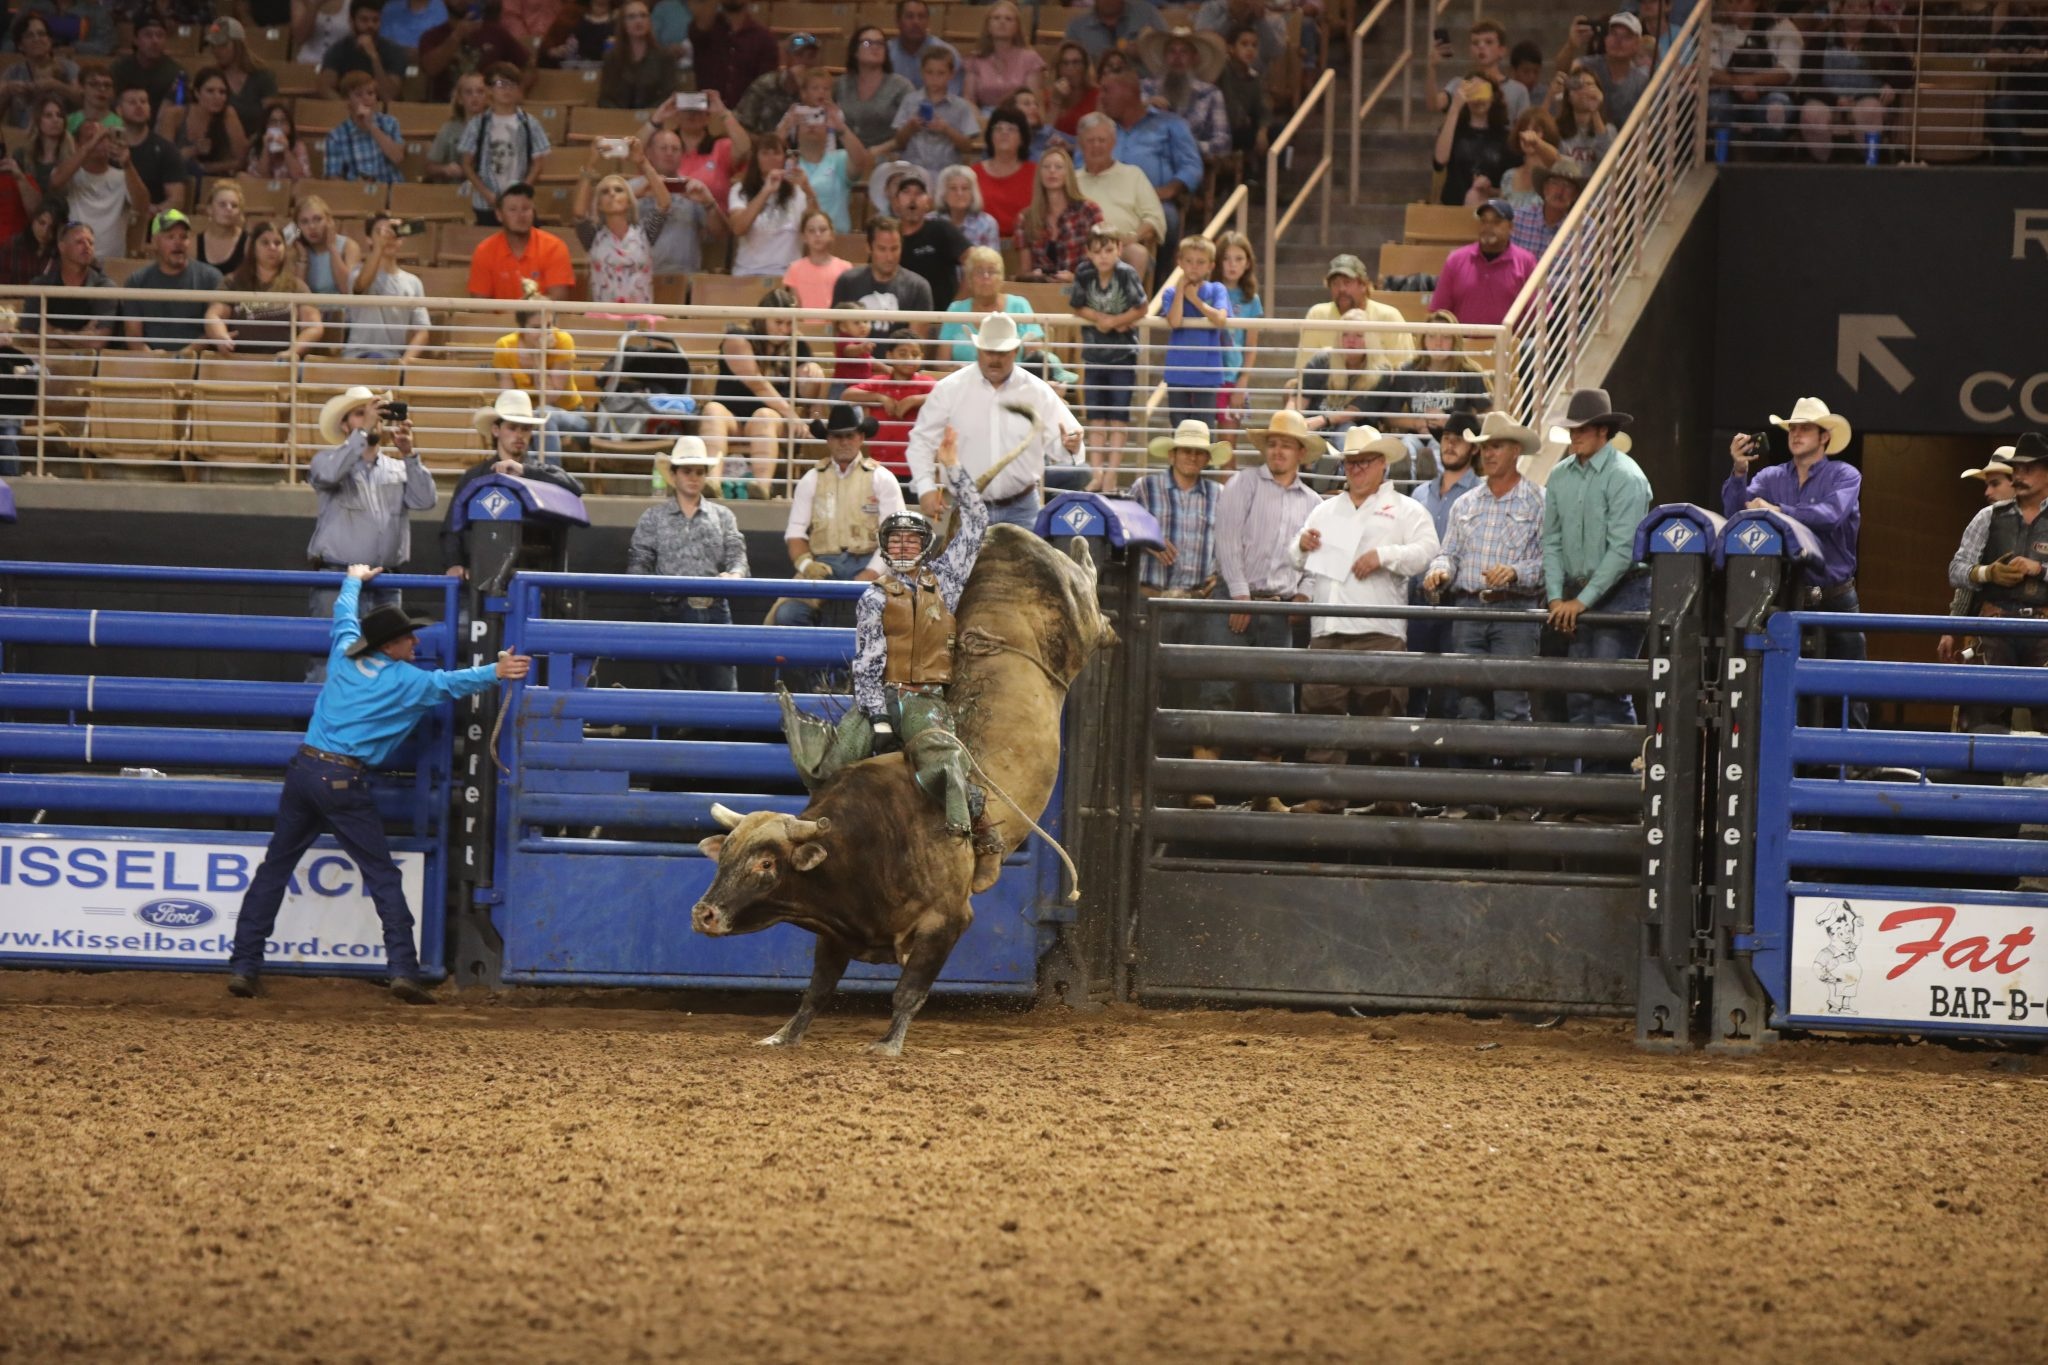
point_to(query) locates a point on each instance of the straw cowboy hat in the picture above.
(689, 450)
(1498, 426)
(1995, 465)
(1210, 53)
(1294, 426)
(997, 332)
(1814, 411)
(337, 408)
(1189, 435)
(513, 406)
(1363, 440)
(882, 184)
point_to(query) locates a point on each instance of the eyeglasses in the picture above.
(872, 42)
(503, 83)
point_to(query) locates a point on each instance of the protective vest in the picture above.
(2010, 535)
(919, 630)
(844, 510)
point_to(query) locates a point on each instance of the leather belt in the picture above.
(2004, 609)
(1258, 596)
(1830, 592)
(343, 759)
(1494, 595)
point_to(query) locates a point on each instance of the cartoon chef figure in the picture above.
(1837, 965)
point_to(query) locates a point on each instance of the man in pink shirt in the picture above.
(530, 18)
(1479, 282)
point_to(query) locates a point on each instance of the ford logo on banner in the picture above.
(176, 914)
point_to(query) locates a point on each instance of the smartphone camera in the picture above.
(396, 411)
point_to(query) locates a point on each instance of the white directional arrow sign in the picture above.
(1861, 339)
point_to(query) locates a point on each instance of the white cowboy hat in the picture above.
(1498, 426)
(1189, 435)
(1364, 439)
(882, 186)
(513, 406)
(1995, 465)
(340, 406)
(1814, 411)
(1210, 52)
(1294, 426)
(689, 450)
(998, 332)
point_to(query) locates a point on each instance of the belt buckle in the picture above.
(700, 603)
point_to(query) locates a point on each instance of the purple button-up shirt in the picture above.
(1826, 504)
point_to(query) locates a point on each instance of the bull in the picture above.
(868, 866)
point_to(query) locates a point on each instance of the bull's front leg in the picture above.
(930, 944)
(828, 964)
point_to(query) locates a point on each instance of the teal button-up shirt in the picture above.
(369, 704)
(1590, 512)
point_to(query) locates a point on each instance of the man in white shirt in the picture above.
(1359, 549)
(982, 403)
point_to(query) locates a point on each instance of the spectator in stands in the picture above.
(882, 284)
(367, 145)
(895, 394)
(867, 91)
(1030, 106)
(830, 171)
(932, 246)
(1443, 380)
(2021, 50)
(1481, 280)
(251, 84)
(1112, 24)
(254, 329)
(1337, 386)
(510, 432)
(578, 35)
(86, 322)
(1754, 58)
(1197, 314)
(32, 251)
(323, 256)
(1592, 504)
(538, 364)
(405, 23)
(835, 513)
(1487, 47)
(530, 20)
(503, 147)
(466, 44)
(767, 211)
(1558, 189)
(148, 67)
(279, 154)
(507, 260)
(444, 157)
(1378, 540)
(101, 186)
(773, 93)
(764, 373)
(20, 193)
(1243, 86)
(1052, 234)
(914, 42)
(364, 50)
(960, 203)
(1109, 299)
(318, 25)
(1004, 62)
(689, 536)
(158, 163)
(618, 228)
(1122, 192)
(48, 143)
(637, 73)
(814, 274)
(1159, 146)
(1472, 143)
(224, 237)
(853, 345)
(1185, 64)
(707, 155)
(98, 105)
(1622, 80)
(206, 133)
(168, 324)
(1350, 289)
(1997, 569)
(1071, 94)
(980, 402)
(36, 71)
(387, 331)
(935, 129)
(1862, 69)
(672, 27)
(1584, 134)
(694, 215)
(1237, 271)
(1534, 138)
(1525, 69)
(86, 27)
(1005, 178)
(983, 268)
(1226, 17)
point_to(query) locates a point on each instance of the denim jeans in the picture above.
(1265, 632)
(321, 796)
(1836, 644)
(1632, 594)
(1769, 117)
(697, 677)
(558, 424)
(1500, 640)
(1020, 511)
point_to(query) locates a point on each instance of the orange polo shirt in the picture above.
(495, 273)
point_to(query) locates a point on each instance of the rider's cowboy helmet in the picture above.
(915, 523)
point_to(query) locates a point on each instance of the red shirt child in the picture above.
(895, 396)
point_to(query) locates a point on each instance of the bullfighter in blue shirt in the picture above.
(372, 699)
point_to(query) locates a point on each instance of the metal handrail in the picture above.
(1403, 65)
(1276, 222)
(1234, 211)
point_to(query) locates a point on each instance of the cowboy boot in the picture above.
(1203, 802)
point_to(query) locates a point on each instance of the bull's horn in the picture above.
(726, 817)
(801, 830)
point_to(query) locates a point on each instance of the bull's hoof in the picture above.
(775, 1040)
(885, 1047)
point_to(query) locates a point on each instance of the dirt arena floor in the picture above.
(326, 1176)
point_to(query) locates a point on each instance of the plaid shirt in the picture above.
(353, 154)
(1065, 246)
(1187, 519)
(706, 545)
(1530, 232)
(1487, 531)
(1206, 116)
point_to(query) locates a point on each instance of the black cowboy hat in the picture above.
(843, 417)
(2031, 447)
(1591, 406)
(383, 625)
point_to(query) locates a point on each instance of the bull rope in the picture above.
(1073, 874)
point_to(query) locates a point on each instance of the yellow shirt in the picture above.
(1390, 350)
(561, 364)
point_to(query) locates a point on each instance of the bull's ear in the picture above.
(709, 847)
(807, 856)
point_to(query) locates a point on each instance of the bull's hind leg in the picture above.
(929, 945)
(828, 964)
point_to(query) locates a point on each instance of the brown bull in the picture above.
(868, 867)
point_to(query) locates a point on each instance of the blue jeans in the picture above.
(797, 611)
(322, 601)
(1767, 117)
(1020, 511)
(1500, 640)
(1265, 632)
(1197, 628)
(325, 797)
(1608, 642)
(1068, 478)
(1836, 644)
(697, 677)
(559, 423)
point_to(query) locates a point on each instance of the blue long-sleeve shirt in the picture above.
(870, 646)
(1161, 146)
(1827, 504)
(370, 704)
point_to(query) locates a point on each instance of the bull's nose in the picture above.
(705, 919)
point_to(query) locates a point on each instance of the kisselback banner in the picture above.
(166, 902)
(1975, 966)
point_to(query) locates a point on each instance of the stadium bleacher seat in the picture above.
(1430, 223)
(1402, 258)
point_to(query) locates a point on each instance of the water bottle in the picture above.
(178, 91)
(1721, 146)
(1870, 149)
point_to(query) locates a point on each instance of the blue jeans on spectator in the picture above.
(1632, 594)
(1197, 628)
(684, 677)
(1020, 510)
(1068, 478)
(323, 609)
(1185, 405)
(1106, 392)
(1768, 117)
(560, 423)
(797, 611)
(1835, 644)
(1499, 640)
(1265, 632)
